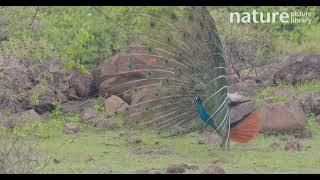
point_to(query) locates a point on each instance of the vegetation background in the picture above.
(82, 38)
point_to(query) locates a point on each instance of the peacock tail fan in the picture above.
(172, 56)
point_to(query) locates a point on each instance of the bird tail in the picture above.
(247, 129)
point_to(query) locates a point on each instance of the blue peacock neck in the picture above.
(202, 112)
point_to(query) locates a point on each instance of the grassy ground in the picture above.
(98, 151)
(94, 150)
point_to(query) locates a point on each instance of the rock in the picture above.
(41, 98)
(81, 83)
(299, 68)
(62, 98)
(120, 64)
(303, 134)
(106, 123)
(114, 104)
(5, 121)
(282, 117)
(265, 74)
(134, 140)
(191, 167)
(292, 145)
(23, 118)
(247, 79)
(71, 128)
(214, 170)
(201, 141)
(56, 161)
(310, 102)
(77, 106)
(209, 138)
(232, 79)
(175, 169)
(248, 89)
(216, 161)
(89, 116)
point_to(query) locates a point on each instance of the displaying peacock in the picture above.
(174, 60)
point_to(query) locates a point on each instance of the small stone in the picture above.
(175, 169)
(56, 161)
(201, 141)
(134, 140)
(71, 128)
(214, 170)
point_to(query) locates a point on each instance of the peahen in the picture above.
(174, 59)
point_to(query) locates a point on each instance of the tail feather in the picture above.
(247, 129)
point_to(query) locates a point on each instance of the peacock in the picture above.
(173, 61)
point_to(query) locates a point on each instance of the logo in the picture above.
(271, 17)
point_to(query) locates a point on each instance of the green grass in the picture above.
(99, 151)
(111, 153)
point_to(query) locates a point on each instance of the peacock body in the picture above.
(174, 62)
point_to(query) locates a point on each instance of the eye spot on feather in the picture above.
(152, 24)
(184, 35)
(193, 82)
(190, 18)
(150, 50)
(157, 94)
(180, 56)
(149, 74)
(126, 110)
(168, 40)
(130, 66)
(166, 61)
(174, 17)
(146, 109)
(135, 89)
(201, 25)
(197, 36)
(195, 52)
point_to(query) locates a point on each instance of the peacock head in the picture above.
(196, 99)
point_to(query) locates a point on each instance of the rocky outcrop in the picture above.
(299, 68)
(310, 102)
(282, 117)
(112, 76)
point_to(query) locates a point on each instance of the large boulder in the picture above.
(41, 98)
(299, 68)
(115, 104)
(266, 72)
(310, 102)
(81, 83)
(24, 118)
(283, 117)
(112, 76)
